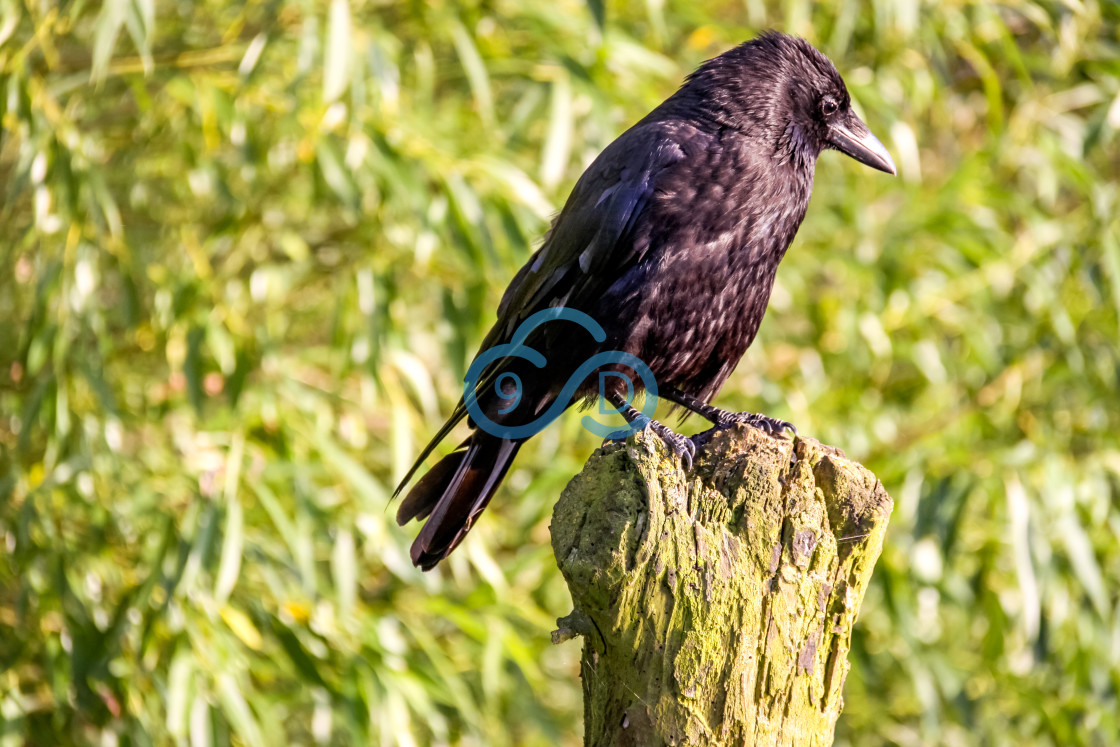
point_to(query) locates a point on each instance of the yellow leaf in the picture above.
(299, 611)
(242, 627)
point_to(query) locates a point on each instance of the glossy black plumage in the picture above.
(670, 240)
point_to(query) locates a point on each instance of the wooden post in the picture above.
(716, 606)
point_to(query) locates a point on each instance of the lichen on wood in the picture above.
(717, 605)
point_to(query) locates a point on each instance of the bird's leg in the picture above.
(681, 446)
(724, 418)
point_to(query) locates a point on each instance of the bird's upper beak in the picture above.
(851, 136)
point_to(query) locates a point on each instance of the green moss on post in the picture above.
(717, 606)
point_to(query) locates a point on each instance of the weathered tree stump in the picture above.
(717, 605)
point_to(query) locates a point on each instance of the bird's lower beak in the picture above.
(853, 138)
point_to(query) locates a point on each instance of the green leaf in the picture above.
(338, 53)
(233, 538)
(108, 28)
(558, 145)
(477, 75)
(237, 710)
(344, 569)
(598, 10)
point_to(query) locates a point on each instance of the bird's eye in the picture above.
(829, 106)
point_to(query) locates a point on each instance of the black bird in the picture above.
(669, 241)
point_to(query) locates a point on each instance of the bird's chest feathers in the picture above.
(721, 240)
(729, 242)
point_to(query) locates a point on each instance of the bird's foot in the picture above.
(682, 447)
(772, 426)
(724, 418)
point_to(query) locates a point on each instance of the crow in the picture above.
(667, 246)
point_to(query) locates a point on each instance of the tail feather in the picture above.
(453, 493)
(429, 489)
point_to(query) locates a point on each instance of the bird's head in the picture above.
(781, 89)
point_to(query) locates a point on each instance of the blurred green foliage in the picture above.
(249, 248)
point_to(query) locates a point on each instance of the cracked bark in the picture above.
(716, 606)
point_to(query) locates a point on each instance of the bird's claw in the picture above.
(772, 426)
(681, 446)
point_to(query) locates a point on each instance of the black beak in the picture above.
(851, 136)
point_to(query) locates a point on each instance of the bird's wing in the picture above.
(591, 242)
(589, 245)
